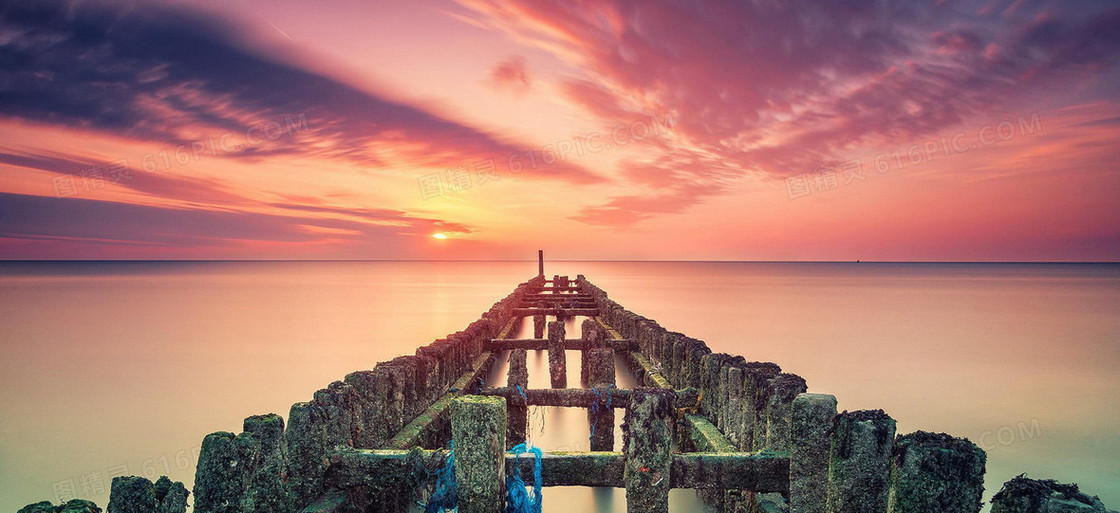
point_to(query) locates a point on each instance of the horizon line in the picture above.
(262, 260)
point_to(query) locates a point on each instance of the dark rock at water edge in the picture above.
(71, 506)
(1024, 495)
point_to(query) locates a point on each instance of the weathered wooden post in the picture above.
(217, 480)
(808, 452)
(264, 466)
(860, 462)
(646, 445)
(538, 326)
(600, 376)
(936, 472)
(779, 409)
(733, 406)
(518, 408)
(132, 494)
(557, 367)
(478, 427)
(540, 263)
(756, 391)
(591, 338)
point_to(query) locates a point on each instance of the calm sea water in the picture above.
(122, 368)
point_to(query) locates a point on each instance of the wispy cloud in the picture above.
(171, 74)
(781, 88)
(161, 185)
(205, 231)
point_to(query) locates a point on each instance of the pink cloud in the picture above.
(772, 89)
(511, 74)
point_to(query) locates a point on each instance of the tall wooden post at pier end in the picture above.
(540, 262)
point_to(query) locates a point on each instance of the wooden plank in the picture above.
(532, 344)
(654, 376)
(705, 436)
(508, 327)
(577, 397)
(541, 344)
(562, 397)
(412, 434)
(614, 334)
(762, 472)
(759, 472)
(570, 312)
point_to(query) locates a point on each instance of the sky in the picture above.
(486, 129)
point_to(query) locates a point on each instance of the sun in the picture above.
(439, 236)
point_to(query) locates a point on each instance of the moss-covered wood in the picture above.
(810, 442)
(516, 404)
(70, 506)
(557, 360)
(600, 417)
(415, 432)
(647, 441)
(478, 428)
(764, 471)
(859, 462)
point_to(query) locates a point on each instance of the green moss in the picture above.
(38, 507)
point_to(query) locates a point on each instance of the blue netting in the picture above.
(518, 499)
(599, 405)
(445, 490)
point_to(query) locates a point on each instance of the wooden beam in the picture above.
(570, 312)
(569, 297)
(614, 334)
(762, 472)
(577, 397)
(541, 344)
(412, 434)
(704, 435)
(508, 328)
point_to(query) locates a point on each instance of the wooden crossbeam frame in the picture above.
(763, 471)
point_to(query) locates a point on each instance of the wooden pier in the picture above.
(744, 435)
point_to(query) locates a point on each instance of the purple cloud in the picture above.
(166, 73)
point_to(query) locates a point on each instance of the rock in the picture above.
(935, 471)
(1024, 495)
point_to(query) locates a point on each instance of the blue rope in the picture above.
(522, 392)
(445, 492)
(518, 499)
(596, 409)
